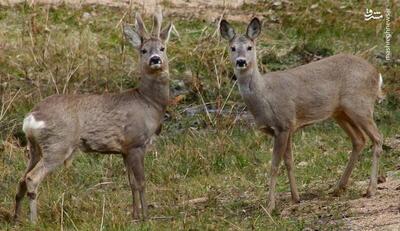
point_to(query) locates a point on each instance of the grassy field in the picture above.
(217, 157)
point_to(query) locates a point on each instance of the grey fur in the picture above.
(342, 87)
(120, 123)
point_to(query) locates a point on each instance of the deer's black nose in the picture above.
(241, 63)
(155, 60)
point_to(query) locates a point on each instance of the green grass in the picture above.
(223, 160)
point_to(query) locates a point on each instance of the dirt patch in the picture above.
(381, 212)
(378, 213)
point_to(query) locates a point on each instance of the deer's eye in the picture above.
(144, 51)
(162, 49)
(233, 48)
(249, 48)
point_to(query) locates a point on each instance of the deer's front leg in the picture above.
(133, 185)
(280, 143)
(290, 170)
(134, 162)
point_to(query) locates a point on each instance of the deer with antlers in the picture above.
(342, 87)
(121, 123)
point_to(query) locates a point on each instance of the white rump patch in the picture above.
(381, 95)
(30, 123)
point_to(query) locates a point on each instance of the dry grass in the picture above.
(212, 156)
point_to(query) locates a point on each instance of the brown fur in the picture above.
(342, 87)
(120, 123)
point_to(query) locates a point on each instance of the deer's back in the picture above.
(316, 91)
(108, 123)
(343, 73)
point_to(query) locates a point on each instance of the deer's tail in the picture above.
(381, 94)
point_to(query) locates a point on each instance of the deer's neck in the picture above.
(248, 80)
(155, 89)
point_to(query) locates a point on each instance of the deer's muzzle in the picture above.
(155, 62)
(241, 63)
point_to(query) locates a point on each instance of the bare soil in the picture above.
(381, 212)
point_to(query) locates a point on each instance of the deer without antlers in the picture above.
(121, 123)
(342, 87)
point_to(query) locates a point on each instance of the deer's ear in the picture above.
(164, 34)
(254, 28)
(133, 37)
(226, 30)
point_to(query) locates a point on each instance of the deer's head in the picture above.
(152, 47)
(242, 47)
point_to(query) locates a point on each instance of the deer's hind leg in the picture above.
(372, 131)
(363, 118)
(358, 141)
(53, 156)
(34, 157)
(376, 138)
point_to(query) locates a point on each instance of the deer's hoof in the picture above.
(270, 207)
(370, 193)
(338, 191)
(135, 216)
(144, 217)
(15, 219)
(296, 200)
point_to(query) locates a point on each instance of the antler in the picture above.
(140, 27)
(157, 22)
